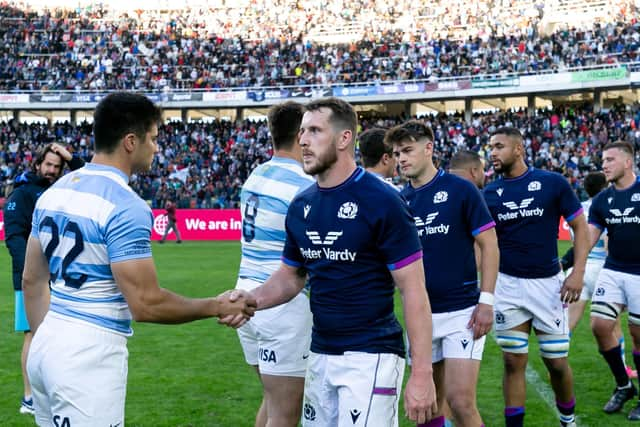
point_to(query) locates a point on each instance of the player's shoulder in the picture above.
(458, 183)
(603, 197)
(373, 188)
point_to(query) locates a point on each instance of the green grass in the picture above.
(195, 375)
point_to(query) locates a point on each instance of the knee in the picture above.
(557, 367)
(463, 405)
(515, 363)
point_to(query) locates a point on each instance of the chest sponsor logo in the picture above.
(622, 217)
(325, 251)
(534, 186)
(348, 210)
(440, 197)
(425, 228)
(519, 210)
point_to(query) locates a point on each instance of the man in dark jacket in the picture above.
(18, 210)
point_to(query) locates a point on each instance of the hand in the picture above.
(61, 151)
(481, 320)
(235, 307)
(571, 288)
(420, 398)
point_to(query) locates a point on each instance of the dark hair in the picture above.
(509, 131)
(119, 114)
(594, 183)
(343, 116)
(373, 147)
(413, 130)
(465, 158)
(284, 123)
(42, 153)
(622, 146)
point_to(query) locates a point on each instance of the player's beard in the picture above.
(615, 177)
(323, 160)
(503, 168)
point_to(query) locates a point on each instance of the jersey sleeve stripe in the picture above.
(291, 262)
(575, 215)
(405, 261)
(485, 227)
(595, 224)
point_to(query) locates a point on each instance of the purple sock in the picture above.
(436, 422)
(514, 416)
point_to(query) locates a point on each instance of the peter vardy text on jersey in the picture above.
(521, 213)
(330, 254)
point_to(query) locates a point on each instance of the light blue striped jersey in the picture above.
(264, 202)
(86, 221)
(599, 251)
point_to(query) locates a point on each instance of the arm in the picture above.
(284, 284)
(138, 282)
(73, 162)
(17, 222)
(582, 244)
(420, 393)
(35, 284)
(482, 317)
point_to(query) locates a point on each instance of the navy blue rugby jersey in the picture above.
(449, 212)
(527, 211)
(618, 212)
(349, 238)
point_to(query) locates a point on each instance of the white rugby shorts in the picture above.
(518, 300)
(78, 372)
(353, 389)
(277, 340)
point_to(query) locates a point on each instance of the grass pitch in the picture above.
(195, 375)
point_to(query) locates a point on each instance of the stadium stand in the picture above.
(203, 165)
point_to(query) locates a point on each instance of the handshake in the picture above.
(235, 307)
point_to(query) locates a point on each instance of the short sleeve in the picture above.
(128, 234)
(480, 218)
(595, 214)
(570, 207)
(397, 238)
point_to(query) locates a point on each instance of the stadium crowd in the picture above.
(204, 165)
(260, 43)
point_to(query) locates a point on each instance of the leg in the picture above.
(283, 396)
(462, 378)
(608, 299)
(261, 416)
(515, 364)
(440, 383)
(576, 310)
(175, 229)
(26, 344)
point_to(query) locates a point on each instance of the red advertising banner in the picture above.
(219, 224)
(199, 224)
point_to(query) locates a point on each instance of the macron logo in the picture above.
(523, 205)
(331, 237)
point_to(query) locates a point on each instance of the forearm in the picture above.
(163, 306)
(282, 286)
(581, 246)
(489, 264)
(36, 299)
(417, 316)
